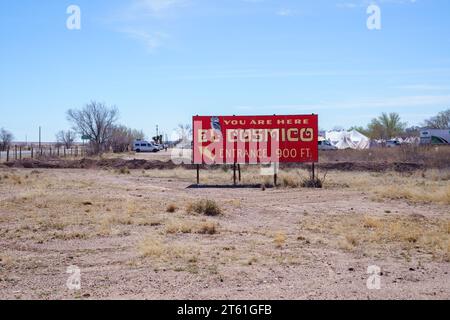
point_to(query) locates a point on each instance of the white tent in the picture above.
(348, 139)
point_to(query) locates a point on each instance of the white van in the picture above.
(144, 146)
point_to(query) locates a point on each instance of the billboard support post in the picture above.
(313, 172)
(234, 173)
(275, 174)
(198, 174)
(239, 170)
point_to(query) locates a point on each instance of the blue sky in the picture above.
(162, 61)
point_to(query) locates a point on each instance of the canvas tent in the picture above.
(348, 140)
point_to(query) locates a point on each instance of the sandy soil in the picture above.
(285, 243)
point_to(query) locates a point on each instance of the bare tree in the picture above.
(95, 121)
(184, 132)
(122, 137)
(138, 134)
(66, 138)
(441, 121)
(6, 138)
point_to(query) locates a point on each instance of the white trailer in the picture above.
(435, 136)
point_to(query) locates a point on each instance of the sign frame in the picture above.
(240, 140)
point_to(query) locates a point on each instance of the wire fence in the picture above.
(17, 152)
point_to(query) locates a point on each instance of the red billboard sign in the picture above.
(255, 139)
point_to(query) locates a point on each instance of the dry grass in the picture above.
(123, 170)
(279, 239)
(75, 235)
(207, 228)
(349, 242)
(152, 247)
(206, 207)
(431, 186)
(371, 222)
(378, 233)
(415, 193)
(291, 181)
(13, 179)
(51, 207)
(431, 156)
(5, 261)
(179, 226)
(436, 175)
(186, 227)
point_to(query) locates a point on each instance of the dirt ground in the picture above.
(135, 235)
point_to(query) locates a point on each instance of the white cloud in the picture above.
(423, 87)
(285, 12)
(221, 72)
(388, 103)
(158, 6)
(365, 3)
(150, 40)
(139, 16)
(349, 5)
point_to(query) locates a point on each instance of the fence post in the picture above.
(7, 154)
(50, 151)
(64, 151)
(15, 152)
(31, 152)
(20, 152)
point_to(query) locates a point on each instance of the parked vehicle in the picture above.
(144, 146)
(326, 145)
(392, 144)
(435, 136)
